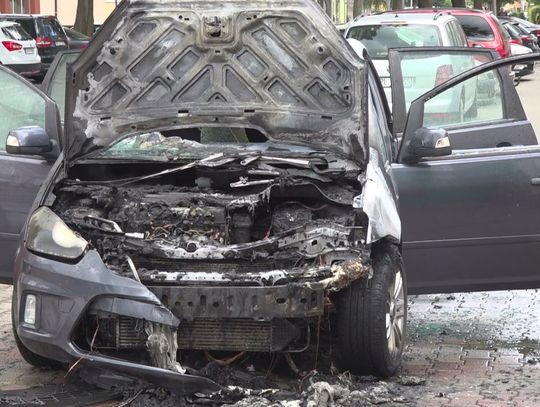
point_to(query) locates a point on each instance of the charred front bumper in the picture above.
(85, 311)
(65, 294)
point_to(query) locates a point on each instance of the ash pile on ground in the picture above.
(243, 386)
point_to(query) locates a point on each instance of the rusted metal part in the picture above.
(263, 303)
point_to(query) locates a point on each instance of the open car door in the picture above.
(470, 218)
(22, 104)
(54, 83)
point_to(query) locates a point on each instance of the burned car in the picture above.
(216, 191)
(226, 180)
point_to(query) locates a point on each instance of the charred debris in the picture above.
(246, 252)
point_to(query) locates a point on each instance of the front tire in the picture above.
(371, 318)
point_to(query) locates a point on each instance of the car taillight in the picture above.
(516, 41)
(12, 46)
(444, 72)
(43, 42)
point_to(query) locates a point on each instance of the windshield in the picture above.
(16, 32)
(476, 27)
(379, 38)
(49, 28)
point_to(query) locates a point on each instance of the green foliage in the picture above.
(534, 11)
(443, 3)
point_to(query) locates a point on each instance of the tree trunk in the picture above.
(478, 4)
(84, 21)
(458, 3)
(396, 4)
(425, 3)
(358, 7)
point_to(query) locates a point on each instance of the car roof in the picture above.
(397, 17)
(448, 10)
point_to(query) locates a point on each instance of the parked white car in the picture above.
(379, 33)
(18, 50)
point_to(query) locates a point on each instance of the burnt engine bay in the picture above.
(247, 268)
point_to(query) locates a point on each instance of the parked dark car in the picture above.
(528, 26)
(46, 30)
(76, 40)
(520, 36)
(173, 220)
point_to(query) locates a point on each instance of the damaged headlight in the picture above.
(48, 234)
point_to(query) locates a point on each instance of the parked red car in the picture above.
(482, 28)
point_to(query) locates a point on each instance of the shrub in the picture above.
(534, 11)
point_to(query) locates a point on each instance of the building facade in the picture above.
(65, 10)
(20, 6)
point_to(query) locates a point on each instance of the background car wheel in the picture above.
(29, 356)
(371, 318)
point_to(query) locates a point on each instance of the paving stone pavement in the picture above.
(476, 349)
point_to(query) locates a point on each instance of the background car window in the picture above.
(478, 99)
(27, 24)
(57, 89)
(460, 35)
(29, 109)
(379, 38)
(451, 34)
(49, 27)
(476, 27)
(16, 32)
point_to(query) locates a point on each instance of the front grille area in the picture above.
(226, 334)
(179, 266)
(130, 333)
(230, 334)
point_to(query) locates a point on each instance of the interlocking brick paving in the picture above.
(475, 349)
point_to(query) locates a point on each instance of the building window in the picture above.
(20, 6)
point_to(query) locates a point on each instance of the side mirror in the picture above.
(31, 140)
(427, 143)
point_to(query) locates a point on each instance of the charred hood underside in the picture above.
(281, 67)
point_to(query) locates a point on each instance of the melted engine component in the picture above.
(165, 224)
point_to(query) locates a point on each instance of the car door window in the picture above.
(54, 84)
(19, 106)
(476, 100)
(423, 71)
(378, 128)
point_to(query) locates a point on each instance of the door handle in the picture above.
(535, 181)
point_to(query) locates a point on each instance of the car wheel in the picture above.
(29, 356)
(371, 318)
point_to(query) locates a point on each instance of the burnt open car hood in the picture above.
(280, 67)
